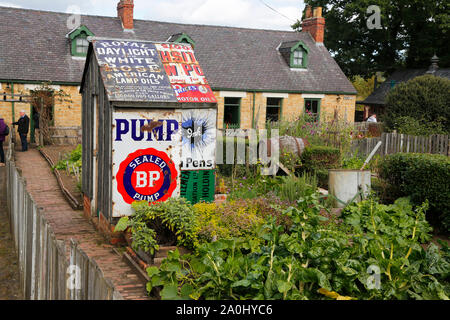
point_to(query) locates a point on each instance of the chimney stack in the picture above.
(125, 13)
(314, 24)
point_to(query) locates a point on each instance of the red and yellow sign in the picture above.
(185, 73)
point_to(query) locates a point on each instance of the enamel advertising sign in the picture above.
(146, 157)
(185, 73)
(198, 130)
(197, 186)
(136, 71)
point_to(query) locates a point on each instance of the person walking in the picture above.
(3, 134)
(24, 125)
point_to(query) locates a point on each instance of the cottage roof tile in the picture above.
(34, 47)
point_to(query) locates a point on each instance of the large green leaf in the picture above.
(169, 292)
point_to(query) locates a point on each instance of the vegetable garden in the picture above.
(280, 238)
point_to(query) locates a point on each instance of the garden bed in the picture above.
(67, 182)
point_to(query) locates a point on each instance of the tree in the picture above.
(423, 101)
(412, 31)
(363, 86)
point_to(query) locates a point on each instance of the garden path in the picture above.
(68, 223)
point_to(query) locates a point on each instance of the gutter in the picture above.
(285, 91)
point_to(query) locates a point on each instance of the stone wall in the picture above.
(293, 106)
(67, 108)
(68, 114)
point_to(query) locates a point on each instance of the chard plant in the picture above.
(316, 259)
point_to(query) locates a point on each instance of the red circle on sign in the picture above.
(142, 184)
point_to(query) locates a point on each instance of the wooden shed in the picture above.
(149, 126)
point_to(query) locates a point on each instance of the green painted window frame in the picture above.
(184, 38)
(279, 106)
(238, 105)
(75, 46)
(81, 33)
(319, 102)
(299, 47)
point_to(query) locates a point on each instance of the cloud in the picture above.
(238, 13)
(9, 4)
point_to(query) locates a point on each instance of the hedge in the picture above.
(318, 159)
(422, 177)
(423, 99)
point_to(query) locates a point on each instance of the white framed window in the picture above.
(82, 46)
(298, 58)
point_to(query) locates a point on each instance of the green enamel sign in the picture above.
(198, 186)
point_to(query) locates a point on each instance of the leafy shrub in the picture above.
(164, 223)
(143, 237)
(236, 219)
(321, 157)
(244, 189)
(424, 98)
(272, 207)
(422, 177)
(318, 159)
(415, 127)
(173, 220)
(354, 162)
(74, 158)
(239, 218)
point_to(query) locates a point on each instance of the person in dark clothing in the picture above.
(2, 139)
(24, 125)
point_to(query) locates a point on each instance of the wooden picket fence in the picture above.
(49, 269)
(395, 143)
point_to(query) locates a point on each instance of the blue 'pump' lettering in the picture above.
(122, 127)
(138, 133)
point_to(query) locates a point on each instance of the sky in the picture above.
(235, 13)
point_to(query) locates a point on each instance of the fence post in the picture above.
(28, 246)
(36, 253)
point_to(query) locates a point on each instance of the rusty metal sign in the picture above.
(132, 71)
(136, 71)
(146, 157)
(185, 73)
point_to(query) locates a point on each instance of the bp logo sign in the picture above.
(147, 175)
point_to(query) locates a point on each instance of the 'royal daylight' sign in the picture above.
(136, 71)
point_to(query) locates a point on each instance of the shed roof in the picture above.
(144, 71)
(34, 47)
